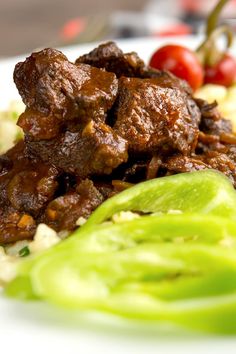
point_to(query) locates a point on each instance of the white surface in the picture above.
(38, 328)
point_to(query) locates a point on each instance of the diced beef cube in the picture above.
(54, 89)
(211, 119)
(26, 187)
(180, 164)
(94, 149)
(15, 225)
(152, 116)
(63, 212)
(111, 58)
(221, 162)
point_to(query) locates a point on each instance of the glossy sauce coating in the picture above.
(96, 127)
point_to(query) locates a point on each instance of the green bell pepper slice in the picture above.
(159, 267)
(175, 268)
(205, 192)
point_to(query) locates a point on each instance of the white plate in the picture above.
(38, 328)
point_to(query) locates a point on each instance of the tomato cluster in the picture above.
(184, 63)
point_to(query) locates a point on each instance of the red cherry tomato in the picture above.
(180, 61)
(223, 73)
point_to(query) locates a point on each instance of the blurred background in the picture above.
(29, 24)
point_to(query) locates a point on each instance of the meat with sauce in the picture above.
(111, 58)
(153, 116)
(96, 127)
(92, 149)
(26, 187)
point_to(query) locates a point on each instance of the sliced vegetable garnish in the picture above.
(177, 268)
(172, 266)
(205, 192)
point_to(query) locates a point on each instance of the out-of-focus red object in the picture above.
(174, 30)
(73, 28)
(203, 7)
(223, 73)
(180, 61)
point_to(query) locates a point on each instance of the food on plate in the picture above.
(136, 175)
(91, 131)
(171, 259)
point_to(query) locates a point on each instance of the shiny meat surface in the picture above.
(211, 121)
(181, 164)
(221, 162)
(32, 192)
(152, 116)
(26, 186)
(112, 59)
(65, 210)
(94, 149)
(94, 128)
(55, 91)
(212, 160)
(15, 225)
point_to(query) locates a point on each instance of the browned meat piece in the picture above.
(208, 110)
(63, 212)
(111, 58)
(213, 160)
(15, 226)
(152, 116)
(95, 149)
(106, 189)
(30, 189)
(135, 172)
(180, 164)
(26, 187)
(211, 120)
(222, 163)
(167, 79)
(38, 125)
(55, 89)
(218, 127)
(232, 153)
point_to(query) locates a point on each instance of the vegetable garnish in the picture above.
(208, 63)
(24, 251)
(161, 266)
(222, 73)
(181, 61)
